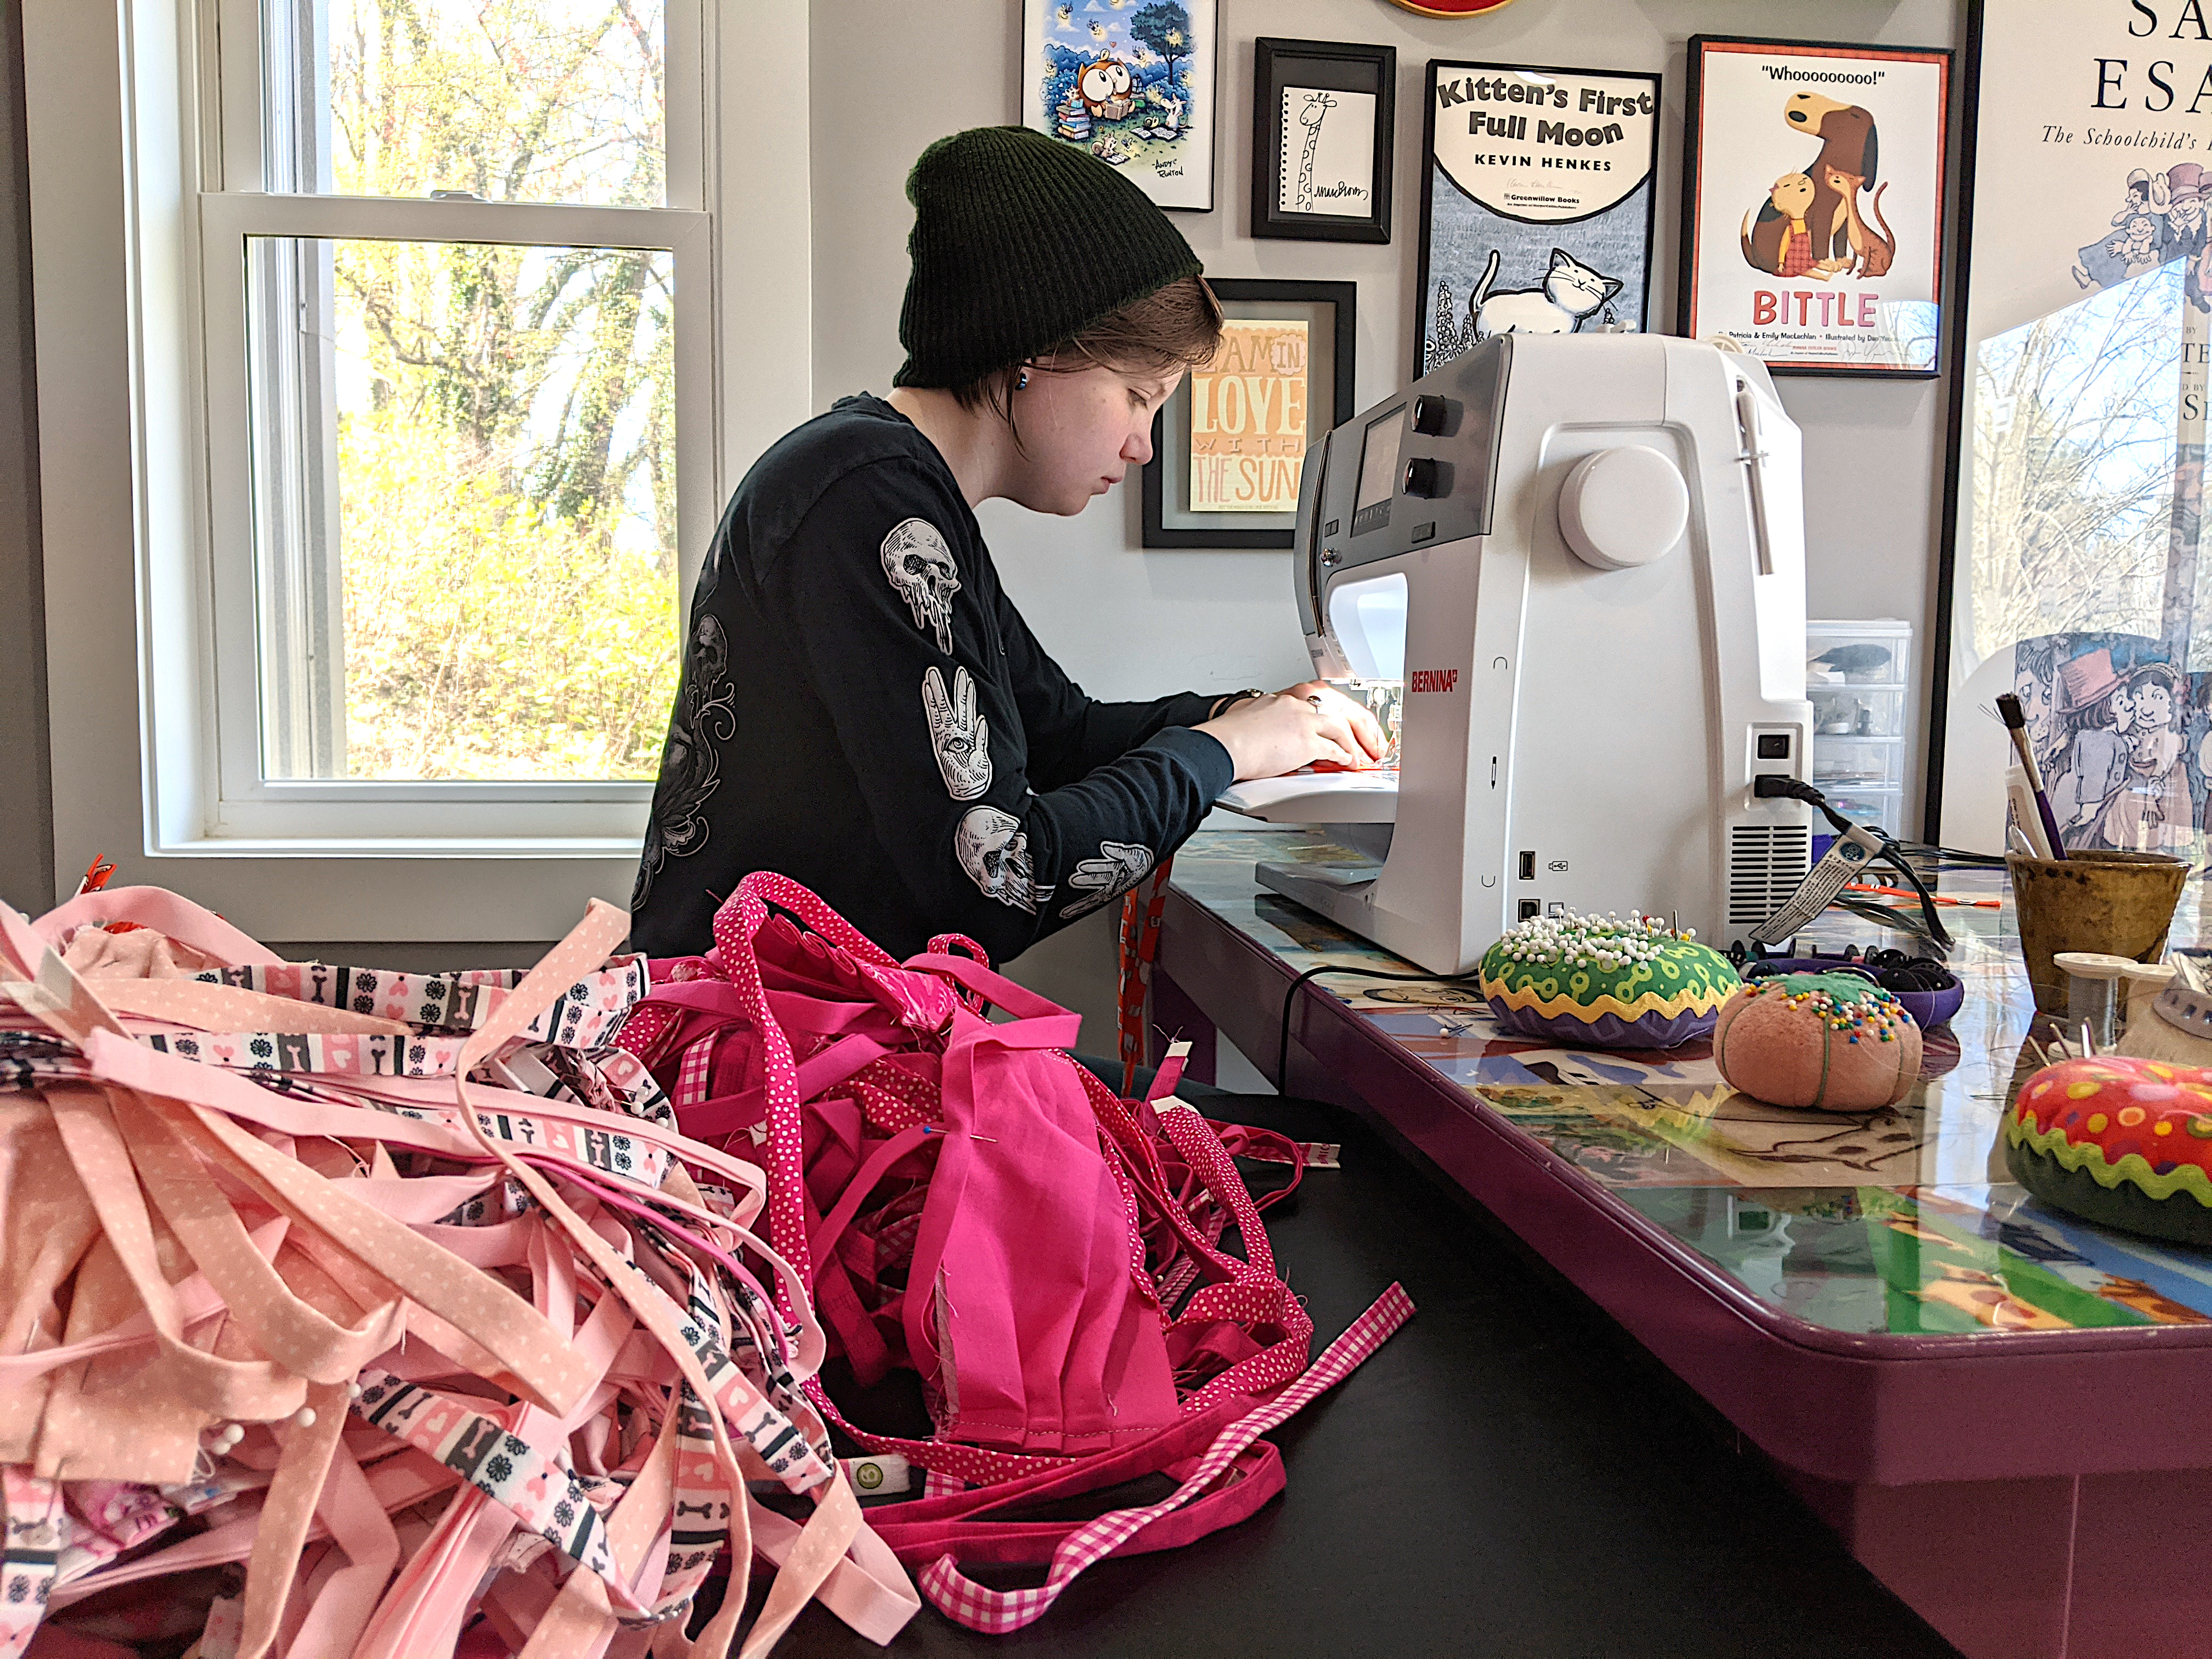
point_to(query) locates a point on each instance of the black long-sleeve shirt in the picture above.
(863, 710)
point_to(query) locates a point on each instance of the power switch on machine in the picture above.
(1774, 745)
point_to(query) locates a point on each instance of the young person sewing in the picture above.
(862, 709)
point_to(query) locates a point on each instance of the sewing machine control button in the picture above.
(1431, 414)
(1421, 477)
(1330, 558)
(1424, 532)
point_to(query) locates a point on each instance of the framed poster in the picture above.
(1813, 204)
(1229, 448)
(1322, 116)
(2072, 564)
(1134, 82)
(1536, 188)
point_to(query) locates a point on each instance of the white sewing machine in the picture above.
(1582, 557)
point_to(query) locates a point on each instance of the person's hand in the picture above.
(1267, 737)
(1366, 730)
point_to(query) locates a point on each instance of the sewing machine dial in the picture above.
(1623, 508)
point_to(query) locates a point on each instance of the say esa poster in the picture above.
(2076, 572)
(1814, 218)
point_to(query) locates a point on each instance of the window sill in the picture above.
(502, 847)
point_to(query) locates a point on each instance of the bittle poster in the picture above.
(1813, 229)
(2076, 575)
(1537, 202)
(1247, 419)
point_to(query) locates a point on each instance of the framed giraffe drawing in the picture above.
(1322, 121)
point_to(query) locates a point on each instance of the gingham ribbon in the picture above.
(961, 1599)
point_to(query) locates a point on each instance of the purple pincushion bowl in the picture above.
(1928, 1009)
(1652, 1030)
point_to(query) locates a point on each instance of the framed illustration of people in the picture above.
(2122, 737)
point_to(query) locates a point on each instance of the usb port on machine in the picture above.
(1528, 866)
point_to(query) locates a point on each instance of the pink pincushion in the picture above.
(1832, 1040)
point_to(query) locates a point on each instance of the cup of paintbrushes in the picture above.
(2118, 904)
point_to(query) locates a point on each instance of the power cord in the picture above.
(1290, 997)
(1892, 854)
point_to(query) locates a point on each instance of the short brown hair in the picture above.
(1174, 327)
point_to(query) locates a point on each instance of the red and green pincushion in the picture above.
(2120, 1141)
(1605, 982)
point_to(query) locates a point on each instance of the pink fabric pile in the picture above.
(346, 1312)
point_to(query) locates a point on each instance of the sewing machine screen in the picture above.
(1378, 471)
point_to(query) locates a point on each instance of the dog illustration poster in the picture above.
(1812, 232)
(1132, 81)
(1536, 204)
(1247, 419)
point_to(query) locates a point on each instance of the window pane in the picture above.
(512, 101)
(465, 478)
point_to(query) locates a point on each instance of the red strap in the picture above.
(1140, 949)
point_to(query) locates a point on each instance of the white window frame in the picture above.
(138, 278)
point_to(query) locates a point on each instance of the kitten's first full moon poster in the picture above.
(1813, 215)
(1536, 204)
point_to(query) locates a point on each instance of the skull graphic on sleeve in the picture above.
(995, 853)
(920, 568)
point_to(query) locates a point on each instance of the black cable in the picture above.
(1283, 1047)
(1892, 854)
(1954, 854)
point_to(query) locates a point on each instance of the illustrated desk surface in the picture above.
(1939, 1363)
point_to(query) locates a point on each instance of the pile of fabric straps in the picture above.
(354, 1314)
(401, 1293)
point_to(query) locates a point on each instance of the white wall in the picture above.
(889, 76)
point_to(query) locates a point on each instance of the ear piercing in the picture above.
(1023, 383)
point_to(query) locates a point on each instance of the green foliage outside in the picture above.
(505, 441)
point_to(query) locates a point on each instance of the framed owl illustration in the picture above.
(1136, 82)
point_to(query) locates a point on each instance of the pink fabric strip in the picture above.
(997, 1612)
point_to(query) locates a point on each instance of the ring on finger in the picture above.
(1313, 698)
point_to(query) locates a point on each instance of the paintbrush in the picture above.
(2015, 720)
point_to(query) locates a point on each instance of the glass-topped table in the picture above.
(1933, 1356)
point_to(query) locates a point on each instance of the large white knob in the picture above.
(1623, 508)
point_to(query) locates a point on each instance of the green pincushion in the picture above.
(1605, 982)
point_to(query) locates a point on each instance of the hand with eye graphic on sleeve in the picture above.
(960, 735)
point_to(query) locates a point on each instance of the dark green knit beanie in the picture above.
(1020, 242)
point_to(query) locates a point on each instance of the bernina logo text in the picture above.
(1434, 679)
